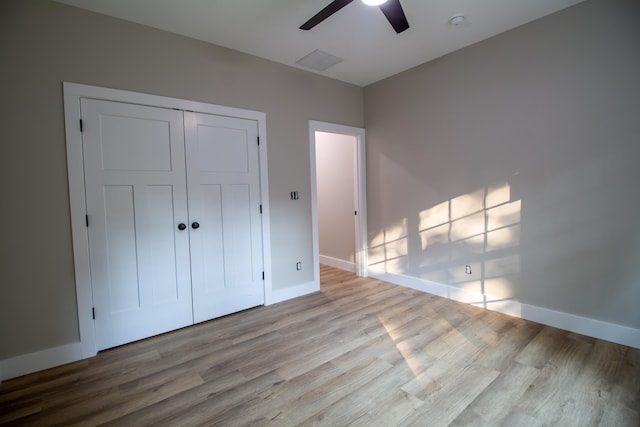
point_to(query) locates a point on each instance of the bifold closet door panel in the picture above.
(136, 199)
(223, 179)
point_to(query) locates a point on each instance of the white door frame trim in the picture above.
(361, 257)
(73, 92)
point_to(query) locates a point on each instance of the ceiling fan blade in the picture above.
(332, 8)
(392, 9)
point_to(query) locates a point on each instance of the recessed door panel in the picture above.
(222, 149)
(208, 260)
(122, 258)
(135, 143)
(240, 237)
(160, 281)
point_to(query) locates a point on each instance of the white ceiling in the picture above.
(359, 34)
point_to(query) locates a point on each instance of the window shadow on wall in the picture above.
(470, 243)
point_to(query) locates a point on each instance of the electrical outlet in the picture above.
(298, 266)
(467, 269)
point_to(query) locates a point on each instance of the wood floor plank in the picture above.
(549, 398)
(316, 401)
(542, 346)
(494, 403)
(623, 403)
(448, 401)
(270, 404)
(216, 407)
(510, 344)
(180, 402)
(388, 409)
(359, 403)
(360, 352)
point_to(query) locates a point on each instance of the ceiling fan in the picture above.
(392, 9)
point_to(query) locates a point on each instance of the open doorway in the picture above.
(338, 197)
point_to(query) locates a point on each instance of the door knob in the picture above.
(181, 226)
(195, 225)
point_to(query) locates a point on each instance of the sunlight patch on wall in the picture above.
(500, 287)
(435, 216)
(434, 236)
(389, 248)
(498, 194)
(469, 226)
(503, 238)
(467, 204)
(503, 215)
(462, 248)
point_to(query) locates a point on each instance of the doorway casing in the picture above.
(360, 257)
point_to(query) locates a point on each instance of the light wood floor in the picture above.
(361, 352)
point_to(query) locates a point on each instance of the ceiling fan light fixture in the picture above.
(374, 2)
(392, 10)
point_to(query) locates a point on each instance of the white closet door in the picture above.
(224, 200)
(136, 198)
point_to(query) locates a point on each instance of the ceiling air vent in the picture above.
(319, 60)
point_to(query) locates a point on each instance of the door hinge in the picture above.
(81, 125)
(355, 212)
(93, 313)
(260, 208)
(263, 275)
(86, 220)
(258, 140)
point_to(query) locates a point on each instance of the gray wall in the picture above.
(335, 164)
(44, 43)
(520, 157)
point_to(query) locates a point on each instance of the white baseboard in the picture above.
(56, 356)
(40, 360)
(338, 263)
(582, 325)
(279, 295)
